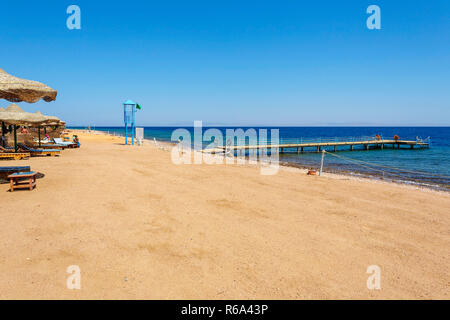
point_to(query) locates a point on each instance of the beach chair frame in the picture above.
(159, 146)
(39, 152)
(7, 154)
(51, 146)
(66, 144)
(14, 156)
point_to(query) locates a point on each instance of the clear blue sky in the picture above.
(235, 62)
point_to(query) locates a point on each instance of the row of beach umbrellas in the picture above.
(16, 116)
(15, 89)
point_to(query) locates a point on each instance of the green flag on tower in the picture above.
(138, 106)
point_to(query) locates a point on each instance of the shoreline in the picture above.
(355, 175)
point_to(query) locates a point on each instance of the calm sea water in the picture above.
(428, 167)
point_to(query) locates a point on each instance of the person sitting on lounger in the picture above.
(75, 140)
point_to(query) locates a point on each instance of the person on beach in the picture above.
(75, 140)
(180, 146)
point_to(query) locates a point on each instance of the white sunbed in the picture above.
(61, 142)
(43, 141)
(159, 146)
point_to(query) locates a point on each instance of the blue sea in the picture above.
(428, 167)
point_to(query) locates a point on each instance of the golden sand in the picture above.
(140, 227)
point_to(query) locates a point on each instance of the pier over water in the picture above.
(336, 144)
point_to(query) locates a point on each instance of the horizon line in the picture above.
(273, 126)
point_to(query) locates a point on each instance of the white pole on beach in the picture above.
(321, 162)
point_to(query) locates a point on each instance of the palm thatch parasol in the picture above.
(50, 121)
(16, 116)
(3, 133)
(16, 89)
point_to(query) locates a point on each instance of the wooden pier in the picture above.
(317, 146)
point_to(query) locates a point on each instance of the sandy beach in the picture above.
(140, 227)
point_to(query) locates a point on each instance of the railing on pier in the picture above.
(246, 141)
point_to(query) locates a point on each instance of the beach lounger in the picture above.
(40, 152)
(159, 146)
(10, 170)
(68, 144)
(6, 171)
(50, 146)
(10, 154)
(43, 141)
(14, 155)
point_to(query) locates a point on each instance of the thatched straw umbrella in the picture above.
(16, 116)
(50, 121)
(3, 132)
(16, 89)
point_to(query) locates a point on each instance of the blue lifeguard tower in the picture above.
(129, 111)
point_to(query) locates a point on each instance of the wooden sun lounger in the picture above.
(13, 155)
(50, 146)
(9, 154)
(9, 170)
(6, 171)
(67, 144)
(40, 152)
